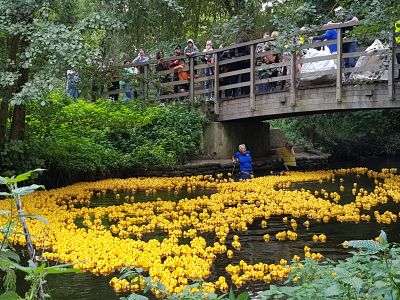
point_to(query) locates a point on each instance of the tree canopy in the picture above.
(41, 39)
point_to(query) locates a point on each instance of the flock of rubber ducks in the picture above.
(170, 240)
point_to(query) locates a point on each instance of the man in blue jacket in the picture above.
(329, 35)
(244, 159)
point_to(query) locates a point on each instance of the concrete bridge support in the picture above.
(221, 139)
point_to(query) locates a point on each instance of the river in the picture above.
(254, 249)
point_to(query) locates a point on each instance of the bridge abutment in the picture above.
(221, 139)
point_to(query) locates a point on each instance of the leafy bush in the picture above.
(347, 134)
(18, 156)
(371, 273)
(101, 137)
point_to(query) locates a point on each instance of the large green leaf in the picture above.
(9, 255)
(333, 290)
(26, 190)
(25, 176)
(61, 270)
(243, 296)
(10, 295)
(137, 297)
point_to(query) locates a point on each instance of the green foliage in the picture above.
(347, 134)
(378, 21)
(371, 273)
(89, 138)
(9, 260)
(46, 46)
(17, 156)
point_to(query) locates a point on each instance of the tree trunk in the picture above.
(18, 118)
(3, 120)
(18, 123)
(14, 47)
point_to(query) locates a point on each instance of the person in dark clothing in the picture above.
(268, 73)
(162, 65)
(114, 81)
(344, 18)
(224, 81)
(174, 63)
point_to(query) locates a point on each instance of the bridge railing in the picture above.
(246, 70)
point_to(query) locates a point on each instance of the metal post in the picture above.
(216, 84)
(191, 86)
(252, 78)
(339, 65)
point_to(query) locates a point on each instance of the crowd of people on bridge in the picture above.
(174, 74)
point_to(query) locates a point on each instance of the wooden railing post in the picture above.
(339, 64)
(252, 77)
(392, 60)
(293, 71)
(146, 81)
(216, 84)
(191, 84)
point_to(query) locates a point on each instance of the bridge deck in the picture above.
(310, 100)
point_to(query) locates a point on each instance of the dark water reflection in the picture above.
(254, 249)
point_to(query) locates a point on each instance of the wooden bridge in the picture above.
(242, 87)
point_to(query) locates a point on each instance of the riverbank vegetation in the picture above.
(347, 135)
(103, 138)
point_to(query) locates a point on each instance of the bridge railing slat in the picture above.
(233, 86)
(234, 60)
(364, 53)
(272, 79)
(317, 74)
(233, 73)
(318, 58)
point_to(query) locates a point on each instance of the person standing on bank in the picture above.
(288, 156)
(245, 161)
(73, 80)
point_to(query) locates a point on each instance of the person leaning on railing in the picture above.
(141, 58)
(174, 62)
(190, 50)
(124, 83)
(209, 71)
(160, 66)
(328, 35)
(178, 65)
(346, 18)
